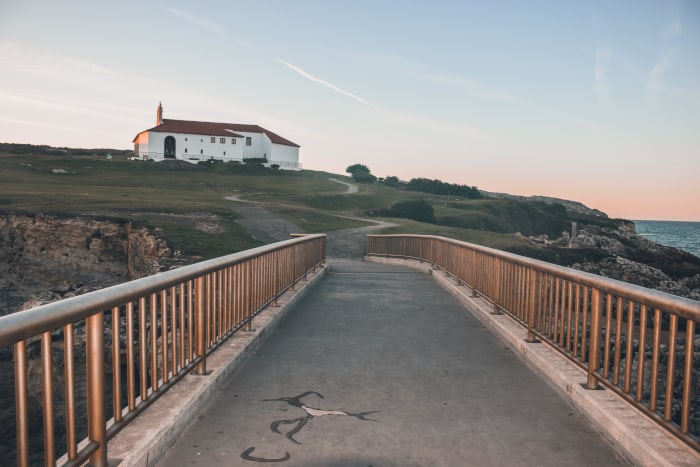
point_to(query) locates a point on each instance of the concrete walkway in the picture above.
(378, 366)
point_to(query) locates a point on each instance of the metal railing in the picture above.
(638, 342)
(286, 164)
(147, 334)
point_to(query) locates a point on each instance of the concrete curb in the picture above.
(639, 438)
(148, 437)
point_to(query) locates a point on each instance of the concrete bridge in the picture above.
(405, 359)
(377, 365)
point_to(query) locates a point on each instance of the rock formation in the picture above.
(44, 259)
(637, 260)
(41, 251)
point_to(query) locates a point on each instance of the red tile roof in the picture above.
(216, 129)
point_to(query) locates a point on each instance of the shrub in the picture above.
(361, 173)
(416, 209)
(391, 180)
(438, 187)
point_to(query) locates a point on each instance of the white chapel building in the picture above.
(203, 141)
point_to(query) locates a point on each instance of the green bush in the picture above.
(361, 173)
(510, 216)
(391, 180)
(416, 209)
(438, 187)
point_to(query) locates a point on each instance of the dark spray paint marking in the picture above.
(311, 412)
(246, 455)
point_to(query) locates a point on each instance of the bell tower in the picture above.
(159, 114)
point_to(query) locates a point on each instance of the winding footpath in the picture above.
(268, 227)
(352, 188)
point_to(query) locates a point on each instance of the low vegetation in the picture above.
(438, 187)
(415, 209)
(169, 195)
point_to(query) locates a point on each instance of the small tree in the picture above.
(361, 173)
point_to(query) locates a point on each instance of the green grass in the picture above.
(167, 196)
(200, 237)
(155, 193)
(314, 221)
(480, 237)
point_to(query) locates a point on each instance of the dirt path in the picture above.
(265, 226)
(351, 243)
(269, 228)
(352, 188)
(238, 198)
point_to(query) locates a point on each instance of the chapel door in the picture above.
(169, 149)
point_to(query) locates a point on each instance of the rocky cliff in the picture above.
(616, 251)
(635, 259)
(39, 252)
(47, 258)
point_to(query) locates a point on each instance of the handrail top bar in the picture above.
(684, 307)
(24, 324)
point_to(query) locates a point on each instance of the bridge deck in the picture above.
(401, 375)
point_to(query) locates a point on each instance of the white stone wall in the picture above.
(195, 148)
(282, 155)
(257, 146)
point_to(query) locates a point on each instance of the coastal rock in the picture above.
(624, 242)
(623, 255)
(36, 250)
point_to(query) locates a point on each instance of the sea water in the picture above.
(682, 235)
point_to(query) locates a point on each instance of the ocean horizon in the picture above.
(684, 235)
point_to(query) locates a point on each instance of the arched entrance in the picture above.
(169, 149)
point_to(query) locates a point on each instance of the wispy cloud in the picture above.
(42, 89)
(603, 90)
(71, 106)
(331, 86)
(673, 30)
(47, 124)
(469, 87)
(207, 24)
(657, 75)
(655, 80)
(464, 130)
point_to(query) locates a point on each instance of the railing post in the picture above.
(200, 331)
(97, 428)
(594, 351)
(249, 292)
(531, 307)
(21, 404)
(497, 286)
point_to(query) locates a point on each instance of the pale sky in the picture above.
(594, 101)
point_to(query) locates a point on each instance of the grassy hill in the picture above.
(168, 195)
